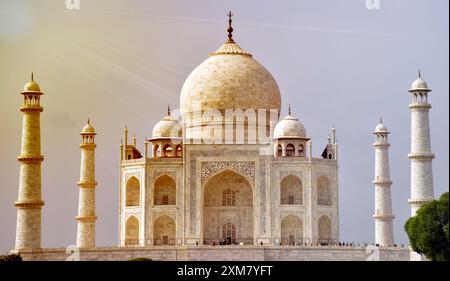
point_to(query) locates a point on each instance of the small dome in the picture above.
(419, 85)
(381, 128)
(289, 127)
(31, 87)
(88, 129)
(168, 127)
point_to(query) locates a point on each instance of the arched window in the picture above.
(290, 150)
(132, 194)
(291, 230)
(323, 191)
(179, 151)
(229, 197)
(279, 150)
(324, 229)
(132, 231)
(291, 192)
(164, 231)
(301, 151)
(167, 151)
(156, 151)
(165, 191)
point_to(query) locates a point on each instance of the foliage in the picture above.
(140, 259)
(11, 258)
(428, 229)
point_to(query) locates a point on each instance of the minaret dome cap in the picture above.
(88, 129)
(381, 128)
(419, 85)
(32, 86)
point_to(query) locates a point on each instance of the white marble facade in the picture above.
(230, 171)
(256, 180)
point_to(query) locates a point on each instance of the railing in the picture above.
(131, 242)
(221, 241)
(324, 202)
(160, 242)
(285, 201)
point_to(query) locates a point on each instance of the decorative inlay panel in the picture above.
(246, 168)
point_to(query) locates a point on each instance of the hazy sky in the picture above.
(122, 62)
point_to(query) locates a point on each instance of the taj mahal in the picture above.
(227, 179)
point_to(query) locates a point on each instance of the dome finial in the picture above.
(168, 110)
(89, 121)
(230, 28)
(289, 110)
(420, 75)
(381, 120)
(32, 76)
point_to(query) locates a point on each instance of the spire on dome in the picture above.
(420, 75)
(230, 28)
(289, 110)
(168, 110)
(32, 76)
(230, 47)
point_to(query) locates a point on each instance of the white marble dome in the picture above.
(88, 129)
(381, 128)
(229, 79)
(168, 127)
(419, 85)
(289, 127)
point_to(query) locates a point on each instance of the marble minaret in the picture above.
(421, 156)
(384, 232)
(29, 203)
(86, 204)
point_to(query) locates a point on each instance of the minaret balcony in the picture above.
(29, 204)
(31, 108)
(383, 216)
(383, 182)
(30, 158)
(421, 156)
(419, 106)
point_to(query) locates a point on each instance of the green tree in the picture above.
(11, 258)
(428, 230)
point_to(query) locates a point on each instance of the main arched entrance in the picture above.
(227, 209)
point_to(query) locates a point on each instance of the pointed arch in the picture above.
(164, 231)
(291, 230)
(324, 196)
(156, 151)
(165, 191)
(279, 150)
(227, 198)
(291, 190)
(168, 151)
(324, 229)
(132, 231)
(132, 192)
(290, 149)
